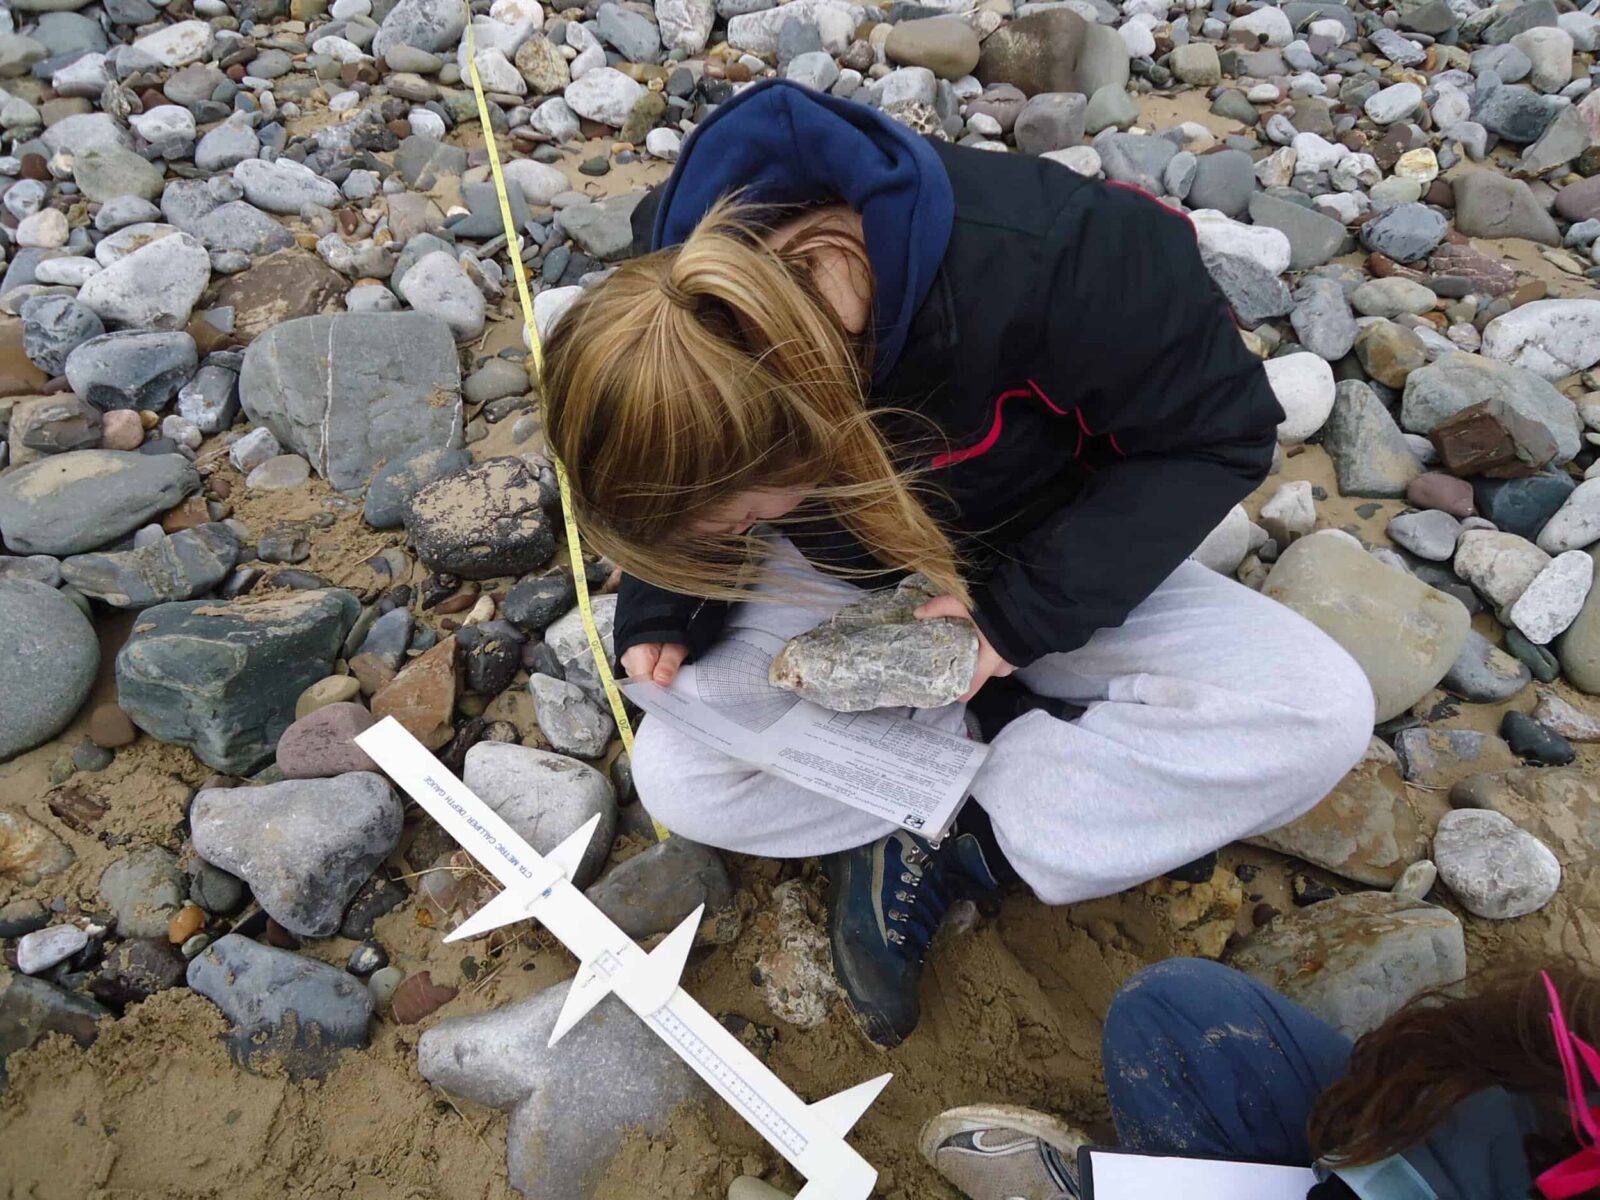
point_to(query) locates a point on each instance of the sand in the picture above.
(1012, 1006)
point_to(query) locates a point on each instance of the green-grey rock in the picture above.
(78, 501)
(179, 567)
(223, 678)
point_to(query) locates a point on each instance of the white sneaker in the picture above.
(1003, 1152)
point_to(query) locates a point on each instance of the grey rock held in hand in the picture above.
(876, 654)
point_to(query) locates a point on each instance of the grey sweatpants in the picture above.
(1213, 713)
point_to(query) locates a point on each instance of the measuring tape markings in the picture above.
(574, 545)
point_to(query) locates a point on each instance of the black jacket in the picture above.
(1099, 413)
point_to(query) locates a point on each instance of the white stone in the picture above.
(1141, 43)
(165, 122)
(45, 229)
(1304, 385)
(1315, 153)
(426, 122)
(1354, 172)
(663, 143)
(555, 119)
(1222, 235)
(341, 50)
(1497, 870)
(540, 182)
(1576, 523)
(498, 75)
(1500, 565)
(1328, 28)
(1226, 545)
(155, 287)
(549, 305)
(605, 95)
(437, 284)
(1269, 23)
(1291, 513)
(757, 32)
(1555, 598)
(44, 948)
(71, 271)
(1549, 48)
(685, 24)
(84, 77)
(1552, 338)
(177, 45)
(1393, 103)
(125, 241)
(1085, 160)
(907, 85)
(343, 10)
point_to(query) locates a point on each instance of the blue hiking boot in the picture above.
(886, 901)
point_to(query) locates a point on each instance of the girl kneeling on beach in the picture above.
(895, 355)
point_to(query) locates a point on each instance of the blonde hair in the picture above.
(712, 368)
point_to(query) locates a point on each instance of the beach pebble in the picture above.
(1495, 869)
(42, 949)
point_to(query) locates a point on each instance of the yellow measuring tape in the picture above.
(574, 546)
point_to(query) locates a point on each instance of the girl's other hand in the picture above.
(990, 664)
(656, 661)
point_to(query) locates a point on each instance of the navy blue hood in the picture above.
(780, 144)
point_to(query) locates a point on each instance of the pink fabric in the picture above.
(1581, 1172)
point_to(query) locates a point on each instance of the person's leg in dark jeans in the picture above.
(1203, 1060)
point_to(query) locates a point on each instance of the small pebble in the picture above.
(188, 922)
(44, 948)
(367, 958)
(382, 985)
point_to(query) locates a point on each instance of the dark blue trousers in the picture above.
(1203, 1060)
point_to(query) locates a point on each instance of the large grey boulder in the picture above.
(1405, 634)
(305, 846)
(283, 1008)
(1496, 870)
(77, 501)
(223, 679)
(545, 797)
(1356, 960)
(351, 391)
(571, 1104)
(48, 658)
(874, 653)
(422, 25)
(1458, 381)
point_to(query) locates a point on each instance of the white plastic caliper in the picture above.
(539, 887)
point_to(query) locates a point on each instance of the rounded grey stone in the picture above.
(48, 658)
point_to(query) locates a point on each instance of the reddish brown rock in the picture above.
(1434, 489)
(417, 996)
(1484, 274)
(280, 287)
(322, 744)
(423, 696)
(110, 727)
(1492, 439)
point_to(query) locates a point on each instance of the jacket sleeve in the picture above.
(646, 613)
(1136, 334)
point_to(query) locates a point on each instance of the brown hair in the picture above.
(1406, 1075)
(712, 368)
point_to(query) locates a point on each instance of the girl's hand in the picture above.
(990, 664)
(656, 661)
